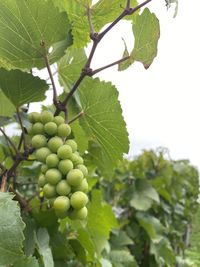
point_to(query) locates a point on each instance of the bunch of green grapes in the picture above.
(63, 172)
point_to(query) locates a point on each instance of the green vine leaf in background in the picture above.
(27, 262)
(20, 88)
(11, 230)
(27, 32)
(146, 31)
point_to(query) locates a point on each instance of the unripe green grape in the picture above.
(80, 214)
(39, 141)
(30, 130)
(65, 166)
(44, 168)
(64, 152)
(78, 200)
(50, 128)
(53, 176)
(38, 128)
(83, 168)
(61, 204)
(74, 177)
(46, 116)
(61, 215)
(42, 153)
(34, 117)
(63, 188)
(49, 191)
(64, 130)
(72, 143)
(54, 143)
(58, 120)
(83, 186)
(76, 159)
(52, 160)
(42, 180)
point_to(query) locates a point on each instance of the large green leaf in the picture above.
(163, 252)
(11, 230)
(103, 12)
(44, 250)
(103, 123)
(20, 88)
(151, 225)
(27, 262)
(27, 30)
(146, 31)
(143, 195)
(6, 107)
(100, 220)
(122, 258)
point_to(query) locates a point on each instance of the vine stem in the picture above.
(3, 183)
(96, 38)
(110, 65)
(22, 127)
(76, 117)
(9, 141)
(52, 79)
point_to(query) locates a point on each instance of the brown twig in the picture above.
(96, 38)
(3, 183)
(52, 80)
(22, 128)
(110, 65)
(23, 203)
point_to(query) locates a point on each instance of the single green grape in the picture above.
(49, 191)
(63, 188)
(42, 180)
(65, 166)
(34, 117)
(44, 168)
(52, 160)
(46, 116)
(83, 186)
(78, 200)
(64, 130)
(54, 143)
(38, 128)
(61, 204)
(58, 120)
(74, 177)
(72, 143)
(42, 153)
(50, 128)
(53, 176)
(83, 168)
(64, 152)
(80, 214)
(39, 141)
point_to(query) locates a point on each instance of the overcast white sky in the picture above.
(161, 104)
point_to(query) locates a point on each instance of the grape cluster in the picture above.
(63, 172)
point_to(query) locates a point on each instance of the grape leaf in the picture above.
(27, 262)
(11, 230)
(103, 122)
(100, 226)
(6, 107)
(143, 195)
(151, 225)
(43, 247)
(122, 258)
(102, 13)
(20, 88)
(27, 32)
(146, 31)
